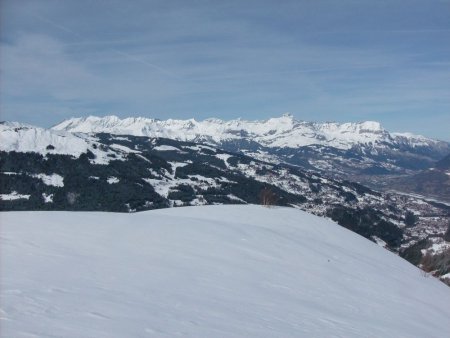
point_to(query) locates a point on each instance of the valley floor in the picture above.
(212, 271)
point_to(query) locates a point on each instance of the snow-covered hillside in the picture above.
(284, 131)
(24, 138)
(216, 271)
(20, 137)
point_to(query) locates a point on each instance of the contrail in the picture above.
(119, 52)
(417, 31)
(134, 58)
(54, 24)
(310, 70)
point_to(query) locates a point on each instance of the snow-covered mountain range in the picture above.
(365, 151)
(284, 131)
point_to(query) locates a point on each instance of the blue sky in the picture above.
(348, 60)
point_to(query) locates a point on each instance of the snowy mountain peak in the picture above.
(371, 125)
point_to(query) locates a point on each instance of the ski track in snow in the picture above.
(216, 271)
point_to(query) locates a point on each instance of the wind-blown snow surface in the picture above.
(216, 271)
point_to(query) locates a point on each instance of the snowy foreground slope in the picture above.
(215, 271)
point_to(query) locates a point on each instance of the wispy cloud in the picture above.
(81, 40)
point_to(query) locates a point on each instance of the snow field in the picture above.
(212, 271)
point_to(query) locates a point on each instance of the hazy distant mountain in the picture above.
(444, 164)
(433, 182)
